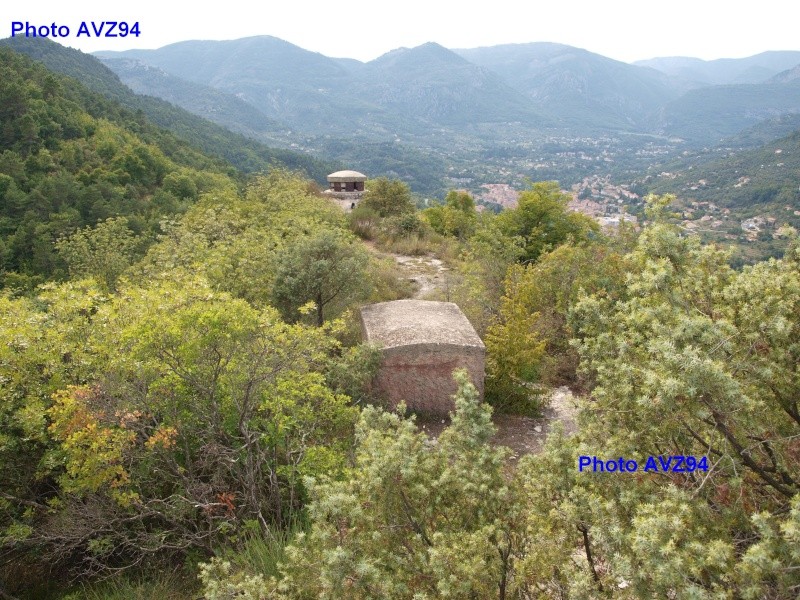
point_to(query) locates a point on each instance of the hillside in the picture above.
(202, 100)
(537, 85)
(768, 175)
(193, 403)
(787, 75)
(740, 198)
(524, 83)
(403, 90)
(580, 88)
(706, 115)
(244, 153)
(301, 88)
(70, 158)
(464, 118)
(752, 69)
(434, 83)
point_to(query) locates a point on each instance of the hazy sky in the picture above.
(627, 30)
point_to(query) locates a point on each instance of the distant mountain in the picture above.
(202, 100)
(765, 131)
(505, 112)
(753, 69)
(246, 154)
(350, 64)
(579, 87)
(432, 97)
(307, 90)
(259, 58)
(426, 104)
(787, 76)
(706, 115)
(437, 84)
(401, 91)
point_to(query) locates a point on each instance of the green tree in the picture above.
(181, 186)
(479, 280)
(327, 268)
(693, 358)
(45, 347)
(388, 197)
(537, 301)
(102, 252)
(70, 159)
(456, 218)
(413, 519)
(542, 219)
(203, 419)
(514, 355)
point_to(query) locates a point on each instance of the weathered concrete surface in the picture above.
(346, 176)
(422, 343)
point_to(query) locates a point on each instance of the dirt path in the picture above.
(426, 272)
(527, 436)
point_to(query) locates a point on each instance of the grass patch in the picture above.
(153, 586)
(260, 554)
(388, 281)
(411, 245)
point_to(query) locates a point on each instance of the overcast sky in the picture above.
(627, 30)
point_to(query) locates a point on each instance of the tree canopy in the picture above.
(542, 220)
(326, 268)
(70, 159)
(388, 197)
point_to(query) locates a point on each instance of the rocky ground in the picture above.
(524, 435)
(427, 273)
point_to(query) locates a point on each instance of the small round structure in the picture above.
(346, 188)
(346, 177)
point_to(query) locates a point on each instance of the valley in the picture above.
(488, 120)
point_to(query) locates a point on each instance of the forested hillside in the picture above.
(710, 113)
(242, 152)
(216, 106)
(70, 159)
(760, 179)
(743, 198)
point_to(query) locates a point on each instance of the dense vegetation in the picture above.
(683, 356)
(181, 411)
(767, 177)
(185, 405)
(69, 158)
(243, 152)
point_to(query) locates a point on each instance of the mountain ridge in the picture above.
(750, 69)
(539, 85)
(577, 85)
